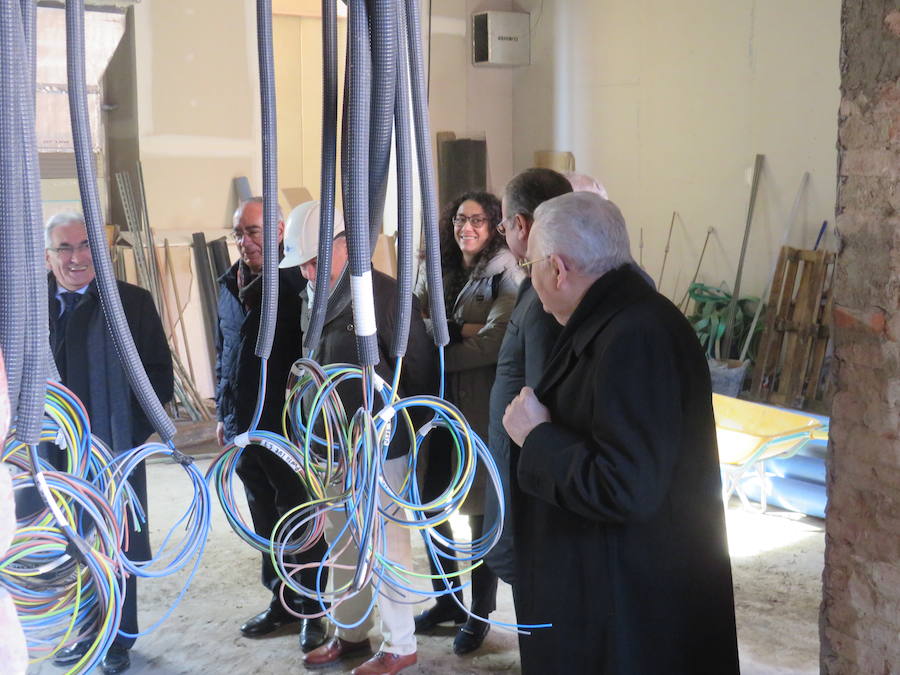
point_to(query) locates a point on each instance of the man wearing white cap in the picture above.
(419, 376)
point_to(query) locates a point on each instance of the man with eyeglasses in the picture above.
(617, 475)
(89, 365)
(272, 489)
(529, 336)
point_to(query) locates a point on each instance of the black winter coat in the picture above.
(620, 530)
(338, 345)
(75, 356)
(237, 366)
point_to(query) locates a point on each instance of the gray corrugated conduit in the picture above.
(106, 282)
(383, 25)
(329, 173)
(403, 158)
(426, 175)
(12, 336)
(35, 366)
(359, 73)
(270, 180)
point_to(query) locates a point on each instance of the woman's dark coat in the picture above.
(619, 524)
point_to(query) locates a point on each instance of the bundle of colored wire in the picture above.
(66, 569)
(66, 587)
(333, 451)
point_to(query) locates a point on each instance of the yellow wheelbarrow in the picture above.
(750, 433)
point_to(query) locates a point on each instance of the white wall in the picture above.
(472, 102)
(668, 102)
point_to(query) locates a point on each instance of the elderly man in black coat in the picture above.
(620, 529)
(272, 489)
(89, 365)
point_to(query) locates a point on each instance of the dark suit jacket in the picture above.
(74, 354)
(620, 532)
(530, 335)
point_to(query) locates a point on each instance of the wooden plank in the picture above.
(807, 310)
(816, 392)
(794, 345)
(769, 343)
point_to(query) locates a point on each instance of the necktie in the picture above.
(69, 300)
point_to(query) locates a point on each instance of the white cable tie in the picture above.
(242, 440)
(387, 413)
(363, 304)
(380, 383)
(61, 440)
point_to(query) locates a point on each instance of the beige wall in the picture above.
(667, 103)
(198, 108)
(297, 44)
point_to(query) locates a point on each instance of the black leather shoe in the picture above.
(73, 654)
(312, 634)
(440, 613)
(470, 636)
(116, 661)
(266, 622)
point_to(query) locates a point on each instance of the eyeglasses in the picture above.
(529, 263)
(66, 251)
(477, 220)
(251, 232)
(501, 226)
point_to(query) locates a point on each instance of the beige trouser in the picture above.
(397, 625)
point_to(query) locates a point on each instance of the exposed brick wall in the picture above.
(860, 627)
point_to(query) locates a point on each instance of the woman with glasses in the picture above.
(481, 280)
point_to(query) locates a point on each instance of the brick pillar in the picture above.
(860, 619)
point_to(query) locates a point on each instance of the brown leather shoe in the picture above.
(334, 651)
(385, 663)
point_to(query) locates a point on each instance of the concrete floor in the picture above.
(777, 560)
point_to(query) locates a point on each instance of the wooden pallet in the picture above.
(796, 334)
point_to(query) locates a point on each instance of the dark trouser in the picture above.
(272, 490)
(437, 476)
(138, 550)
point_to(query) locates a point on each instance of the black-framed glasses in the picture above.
(66, 251)
(528, 263)
(478, 220)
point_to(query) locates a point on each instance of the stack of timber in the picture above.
(796, 335)
(154, 276)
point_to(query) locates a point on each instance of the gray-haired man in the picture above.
(89, 365)
(618, 476)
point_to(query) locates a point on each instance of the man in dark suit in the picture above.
(89, 365)
(529, 336)
(272, 489)
(616, 487)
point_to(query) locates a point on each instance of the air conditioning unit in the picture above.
(501, 39)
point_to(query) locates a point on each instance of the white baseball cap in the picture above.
(301, 233)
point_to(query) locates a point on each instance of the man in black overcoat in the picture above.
(89, 365)
(272, 489)
(619, 521)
